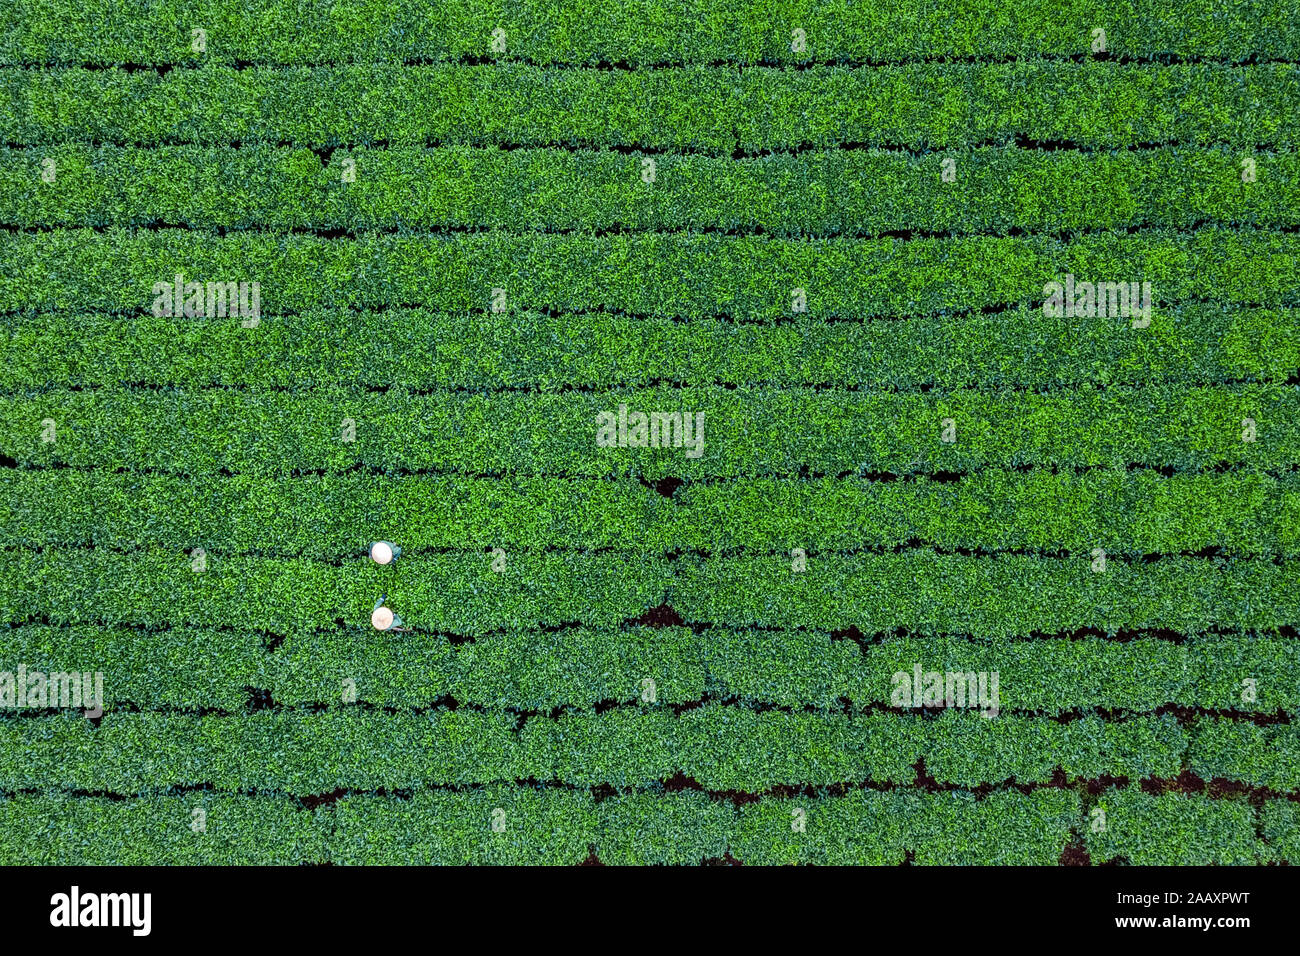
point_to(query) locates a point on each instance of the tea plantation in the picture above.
(755, 504)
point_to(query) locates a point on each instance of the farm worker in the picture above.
(384, 619)
(384, 552)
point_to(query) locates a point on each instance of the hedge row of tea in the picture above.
(1130, 514)
(711, 109)
(684, 275)
(422, 350)
(822, 192)
(721, 747)
(638, 33)
(748, 431)
(477, 229)
(560, 826)
(475, 590)
(584, 668)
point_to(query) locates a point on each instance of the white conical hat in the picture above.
(382, 618)
(382, 552)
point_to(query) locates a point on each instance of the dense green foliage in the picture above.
(750, 430)
(713, 109)
(816, 193)
(1000, 595)
(686, 274)
(580, 668)
(1129, 513)
(1172, 830)
(639, 32)
(550, 825)
(477, 226)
